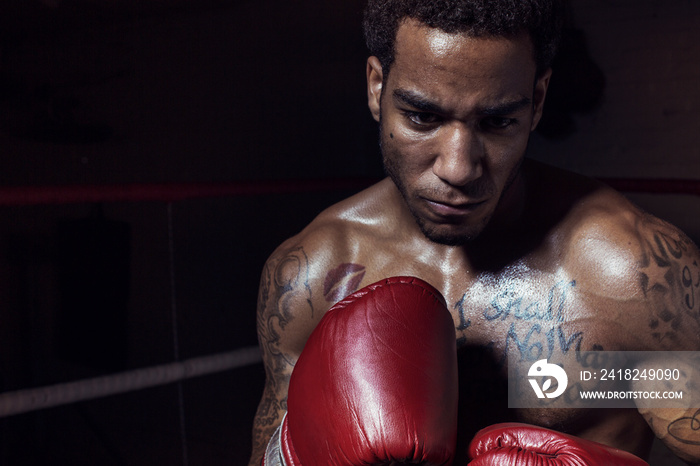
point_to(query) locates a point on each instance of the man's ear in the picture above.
(375, 78)
(538, 97)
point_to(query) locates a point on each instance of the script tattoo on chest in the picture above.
(509, 303)
(534, 326)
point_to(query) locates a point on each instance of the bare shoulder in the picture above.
(307, 274)
(634, 265)
(297, 277)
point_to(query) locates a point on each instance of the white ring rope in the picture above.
(33, 399)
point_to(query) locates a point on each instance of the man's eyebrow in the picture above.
(421, 103)
(415, 100)
(506, 108)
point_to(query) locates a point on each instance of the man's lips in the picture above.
(451, 209)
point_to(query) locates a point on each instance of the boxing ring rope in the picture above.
(22, 401)
(173, 192)
(27, 400)
(655, 185)
(168, 192)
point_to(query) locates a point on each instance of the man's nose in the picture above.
(460, 155)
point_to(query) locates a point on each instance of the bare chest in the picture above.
(503, 327)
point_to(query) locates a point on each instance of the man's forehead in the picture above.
(455, 73)
(413, 34)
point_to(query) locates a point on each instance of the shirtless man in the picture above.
(456, 99)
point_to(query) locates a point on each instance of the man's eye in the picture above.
(421, 118)
(497, 122)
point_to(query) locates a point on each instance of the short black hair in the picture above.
(540, 19)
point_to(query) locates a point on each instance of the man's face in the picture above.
(455, 117)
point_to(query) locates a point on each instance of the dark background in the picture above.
(109, 92)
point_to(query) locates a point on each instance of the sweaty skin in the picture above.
(528, 257)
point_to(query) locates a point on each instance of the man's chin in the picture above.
(449, 236)
(449, 240)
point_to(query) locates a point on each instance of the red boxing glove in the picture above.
(376, 382)
(512, 444)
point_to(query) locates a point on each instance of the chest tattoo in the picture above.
(534, 327)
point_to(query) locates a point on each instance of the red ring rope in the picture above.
(169, 192)
(655, 185)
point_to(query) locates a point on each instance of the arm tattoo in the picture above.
(670, 278)
(686, 429)
(284, 283)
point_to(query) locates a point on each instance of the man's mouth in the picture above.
(452, 209)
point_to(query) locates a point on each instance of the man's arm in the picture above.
(285, 318)
(669, 275)
(678, 429)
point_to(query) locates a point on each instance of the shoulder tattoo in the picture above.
(284, 283)
(669, 277)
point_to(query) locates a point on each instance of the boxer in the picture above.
(532, 261)
(377, 384)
